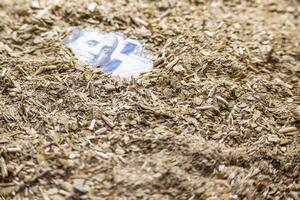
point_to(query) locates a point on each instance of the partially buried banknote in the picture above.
(109, 51)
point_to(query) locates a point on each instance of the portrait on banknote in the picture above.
(109, 51)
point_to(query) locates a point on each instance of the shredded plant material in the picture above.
(217, 117)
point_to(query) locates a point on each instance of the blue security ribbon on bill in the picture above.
(129, 48)
(114, 64)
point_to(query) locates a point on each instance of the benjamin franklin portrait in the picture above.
(92, 47)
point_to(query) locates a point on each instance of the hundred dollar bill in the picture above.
(110, 52)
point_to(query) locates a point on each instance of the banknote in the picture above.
(110, 52)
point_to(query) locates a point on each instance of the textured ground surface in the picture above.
(218, 117)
